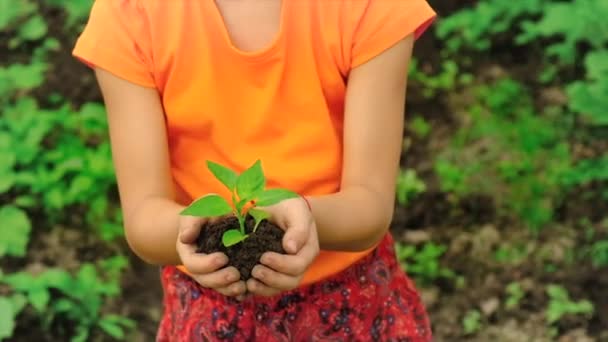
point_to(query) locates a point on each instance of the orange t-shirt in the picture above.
(283, 105)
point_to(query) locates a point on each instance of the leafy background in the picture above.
(502, 202)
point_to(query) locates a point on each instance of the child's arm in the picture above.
(141, 160)
(151, 215)
(358, 216)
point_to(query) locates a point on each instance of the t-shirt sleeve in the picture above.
(116, 38)
(383, 23)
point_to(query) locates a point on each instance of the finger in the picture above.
(284, 263)
(291, 264)
(237, 289)
(274, 279)
(297, 233)
(190, 228)
(257, 288)
(217, 279)
(198, 263)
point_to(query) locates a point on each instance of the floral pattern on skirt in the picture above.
(372, 300)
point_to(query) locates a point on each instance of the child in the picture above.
(315, 89)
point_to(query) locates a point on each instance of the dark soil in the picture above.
(244, 255)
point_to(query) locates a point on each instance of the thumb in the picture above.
(189, 228)
(295, 236)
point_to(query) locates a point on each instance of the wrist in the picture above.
(307, 202)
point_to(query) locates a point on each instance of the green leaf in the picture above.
(232, 237)
(80, 185)
(15, 231)
(557, 292)
(21, 281)
(208, 206)
(19, 302)
(124, 321)
(64, 305)
(23, 76)
(7, 180)
(81, 335)
(258, 215)
(8, 159)
(39, 298)
(77, 11)
(12, 11)
(111, 328)
(274, 196)
(87, 277)
(7, 322)
(33, 29)
(57, 278)
(251, 182)
(53, 199)
(23, 200)
(223, 174)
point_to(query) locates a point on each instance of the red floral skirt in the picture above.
(373, 300)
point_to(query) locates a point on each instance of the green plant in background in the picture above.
(20, 77)
(75, 168)
(510, 151)
(55, 165)
(15, 232)
(446, 79)
(599, 253)
(560, 304)
(588, 170)
(556, 20)
(10, 307)
(408, 186)
(515, 294)
(246, 188)
(420, 127)
(471, 322)
(511, 254)
(21, 17)
(475, 27)
(77, 11)
(590, 97)
(424, 263)
(80, 300)
(453, 176)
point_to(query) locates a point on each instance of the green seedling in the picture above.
(246, 188)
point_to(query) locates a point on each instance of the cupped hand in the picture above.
(276, 272)
(206, 269)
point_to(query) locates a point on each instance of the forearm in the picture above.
(151, 230)
(353, 219)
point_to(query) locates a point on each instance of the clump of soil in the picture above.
(246, 254)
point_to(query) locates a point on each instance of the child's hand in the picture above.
(206, 269)
(282, 272)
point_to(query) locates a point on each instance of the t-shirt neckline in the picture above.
(256, 55)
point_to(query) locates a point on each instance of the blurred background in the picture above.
(502, 210)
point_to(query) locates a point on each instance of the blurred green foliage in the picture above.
(560, 304)
(54, 162)
(509, 147)
(56, 169)
(508, 150)
(471, 322)
(408, 186)
(423, 263)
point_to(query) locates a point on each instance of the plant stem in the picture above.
(241, 223)
(239, 216)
